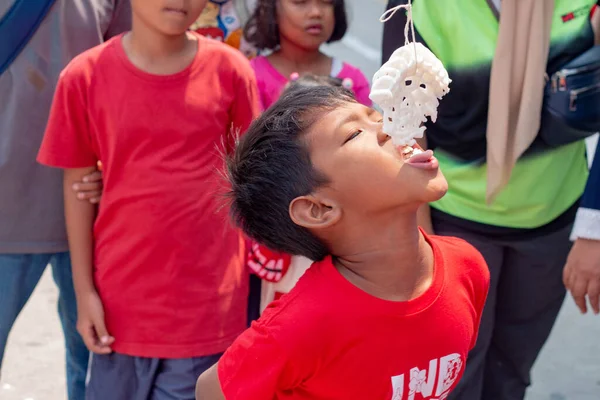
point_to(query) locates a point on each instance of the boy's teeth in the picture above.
(417, 151)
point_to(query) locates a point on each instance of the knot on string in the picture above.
(386, 16)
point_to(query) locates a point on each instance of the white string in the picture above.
(409, 23)
(412, 28)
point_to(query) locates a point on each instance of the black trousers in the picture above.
(526, 294)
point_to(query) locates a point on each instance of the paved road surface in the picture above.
(568, 369)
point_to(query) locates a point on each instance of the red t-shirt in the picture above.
(327, 339)
(167, 265)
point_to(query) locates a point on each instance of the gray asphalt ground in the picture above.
(568, 368)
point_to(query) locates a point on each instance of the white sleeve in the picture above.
(587, 224)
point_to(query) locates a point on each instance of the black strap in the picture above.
(18, 26)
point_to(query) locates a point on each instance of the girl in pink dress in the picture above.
(293, 32)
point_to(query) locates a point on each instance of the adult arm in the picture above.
(90, 187)
(582, 270)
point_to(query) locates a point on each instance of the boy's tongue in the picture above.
(420, 157)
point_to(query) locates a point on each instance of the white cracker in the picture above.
(408, 88)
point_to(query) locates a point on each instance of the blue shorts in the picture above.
(122, 377)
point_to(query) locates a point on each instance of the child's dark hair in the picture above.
(262, 29)
(271, 166)
(312, 80)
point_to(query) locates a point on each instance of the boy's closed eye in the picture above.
(353, 134)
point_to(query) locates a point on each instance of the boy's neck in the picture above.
(155, 52)
(388, 258)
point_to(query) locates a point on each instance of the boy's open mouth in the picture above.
(417, 157)
(408, 152)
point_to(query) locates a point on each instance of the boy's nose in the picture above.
(382, 137)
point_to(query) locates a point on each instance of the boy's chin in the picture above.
(436, 189)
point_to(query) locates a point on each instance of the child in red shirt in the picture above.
(388, 312)
(159, 276)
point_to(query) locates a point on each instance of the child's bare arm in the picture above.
(80, 217)
(208, 386)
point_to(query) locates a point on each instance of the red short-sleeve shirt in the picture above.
(167, 265)
(327, 339)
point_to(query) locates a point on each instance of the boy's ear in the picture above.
(314, 212)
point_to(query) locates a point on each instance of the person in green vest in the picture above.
(519, 212)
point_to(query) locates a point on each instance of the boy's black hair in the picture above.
(271, 166)
(312, 80)
(262, 29)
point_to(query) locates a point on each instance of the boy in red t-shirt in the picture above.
(159, 276)
(388, 312)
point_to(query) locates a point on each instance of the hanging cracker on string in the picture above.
(408, 86)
